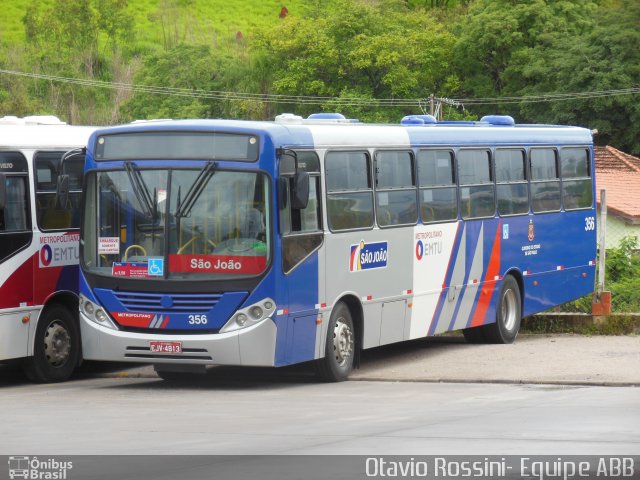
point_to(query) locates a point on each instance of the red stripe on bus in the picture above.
(17, 289)
(489, 286)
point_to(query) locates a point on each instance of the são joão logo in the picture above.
(367, 256)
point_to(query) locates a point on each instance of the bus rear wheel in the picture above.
(508, 314)
(56, 347)
(340, 345)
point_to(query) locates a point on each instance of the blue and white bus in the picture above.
(215, 242)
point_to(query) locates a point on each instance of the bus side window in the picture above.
(50, 217)
(436, 179)
(545, 180)
(395, 189)
(349, 190)
(577, 186)
(14, 216)
(476, 185)
(301, 228)
(15, 219)
(511, 182)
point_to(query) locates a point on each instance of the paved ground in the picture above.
(487, 403)
(295, 415)
(545, 359)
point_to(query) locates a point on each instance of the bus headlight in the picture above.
(250, 315)
(95, 313)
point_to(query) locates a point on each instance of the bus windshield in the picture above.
(176, 223)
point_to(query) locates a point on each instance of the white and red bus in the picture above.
(39, 245)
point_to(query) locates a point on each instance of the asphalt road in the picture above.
(126, 416)
(554, 395)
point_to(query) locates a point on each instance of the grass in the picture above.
(193, 21)
(11, 28)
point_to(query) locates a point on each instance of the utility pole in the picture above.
(436, 105)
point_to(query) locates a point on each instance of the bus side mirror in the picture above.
(62, 192)
(300, 193)
(3, 191)
(283, 192)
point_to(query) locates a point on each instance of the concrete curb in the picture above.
(585, 323)
(369, 378)
(568, 384)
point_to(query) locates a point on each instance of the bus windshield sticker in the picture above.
(368, 256)
(156, 267)
(505, 231)
(130, 269)
(108, 246)
(217, 264)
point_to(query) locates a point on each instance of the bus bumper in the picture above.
(251, 346)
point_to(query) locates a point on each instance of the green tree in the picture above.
(494, 32)
(196, 70)
(79, 39)
(599, 58)
(360, 50)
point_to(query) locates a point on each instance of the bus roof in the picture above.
(328, 134)
(38, 136)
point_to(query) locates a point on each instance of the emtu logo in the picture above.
(46, 255)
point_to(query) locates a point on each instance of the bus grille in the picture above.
(156, 302)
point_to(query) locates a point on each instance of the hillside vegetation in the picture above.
(369, 59)
(189, 20)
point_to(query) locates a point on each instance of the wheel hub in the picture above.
(509, 309)
(57, 344)
(342, 342)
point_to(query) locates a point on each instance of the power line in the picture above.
(320, 100)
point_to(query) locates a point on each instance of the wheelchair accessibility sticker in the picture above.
(156, 267)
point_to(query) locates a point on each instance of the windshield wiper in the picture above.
(140, 189)
(184, 207)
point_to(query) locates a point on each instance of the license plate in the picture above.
(165, 347)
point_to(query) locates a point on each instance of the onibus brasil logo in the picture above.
(367, 256)
(38, 469)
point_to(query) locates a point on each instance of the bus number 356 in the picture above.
(197, 319)
(589, 224)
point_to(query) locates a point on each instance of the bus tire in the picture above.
(508, 313)
(56, 347)
(474, 335)
(340, 344)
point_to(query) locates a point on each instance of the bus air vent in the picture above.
(419, 120)
(158, 302)
(504, 120)
(326, 116)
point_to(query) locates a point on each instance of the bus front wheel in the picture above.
(56, 347)
(339, 346)
(508, 314)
